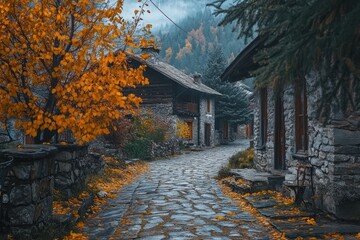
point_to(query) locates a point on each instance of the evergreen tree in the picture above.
(233, 105)
(304, 36)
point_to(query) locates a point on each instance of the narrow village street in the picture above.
(177, 199)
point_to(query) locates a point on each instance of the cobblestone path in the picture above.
(177, 199)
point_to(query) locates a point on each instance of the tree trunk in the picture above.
(44, 136)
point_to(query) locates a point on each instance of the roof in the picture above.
(243, 64)
(175, 75)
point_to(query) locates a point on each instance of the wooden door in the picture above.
(279, 152)
(207, 134)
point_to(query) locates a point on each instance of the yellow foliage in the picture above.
(60, 68)
(220, 218)
(183, 130)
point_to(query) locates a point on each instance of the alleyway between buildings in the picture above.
(177, 199)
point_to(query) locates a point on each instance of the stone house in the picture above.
(178, 97)
(319, 161)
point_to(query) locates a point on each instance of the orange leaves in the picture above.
(311, 221)
(69, 72)
(75, 236)
(80, 225)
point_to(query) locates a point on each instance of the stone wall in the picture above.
(36, 171)
(73, 165)
(28, 190)
(165, 149)
(163, 111)
(335, 157)
(334, 154)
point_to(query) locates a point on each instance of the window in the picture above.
(301, 135)
(190, 126)
(208, 105)
(263, 117)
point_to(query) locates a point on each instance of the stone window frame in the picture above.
(263, 101)
(301, 117)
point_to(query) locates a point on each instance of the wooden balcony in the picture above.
(187, 108)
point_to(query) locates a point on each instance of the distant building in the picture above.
(174, 95)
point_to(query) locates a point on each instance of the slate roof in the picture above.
(175, 75)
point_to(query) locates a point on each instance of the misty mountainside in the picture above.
(188, 50)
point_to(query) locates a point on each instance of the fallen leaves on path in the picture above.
(243, 203)
(75, 236)
(219, 218)
(113, 179)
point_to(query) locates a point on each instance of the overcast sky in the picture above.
(175, 9)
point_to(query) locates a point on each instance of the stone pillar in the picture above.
(28, 188)
(70, 169)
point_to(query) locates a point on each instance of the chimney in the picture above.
(197, 78)
(154, 53)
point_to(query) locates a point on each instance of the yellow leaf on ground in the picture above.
(220, 218)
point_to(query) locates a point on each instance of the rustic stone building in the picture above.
(317, 159)
(176, 96)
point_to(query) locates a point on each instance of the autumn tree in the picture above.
(59, 68)
(302, 37)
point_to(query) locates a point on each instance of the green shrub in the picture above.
(138, 148)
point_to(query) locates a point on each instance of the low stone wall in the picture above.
(165, 149)
(73, 165)
(28, 190)
(28, 187)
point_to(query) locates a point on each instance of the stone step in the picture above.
(259, 181)
(300, 228)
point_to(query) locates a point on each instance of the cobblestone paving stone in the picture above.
(177, 199)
